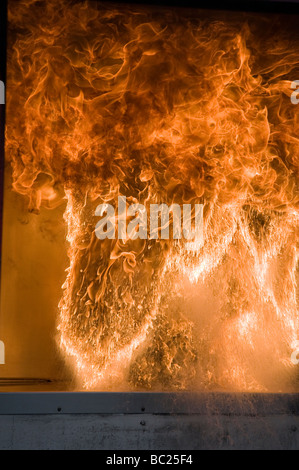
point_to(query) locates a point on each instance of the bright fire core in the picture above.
(164, 106)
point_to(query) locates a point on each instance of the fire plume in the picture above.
(172, 106)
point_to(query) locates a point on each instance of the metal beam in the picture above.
(229, 404)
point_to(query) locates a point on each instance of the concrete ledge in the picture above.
(230, 404)
(149, 421)
(152, 432)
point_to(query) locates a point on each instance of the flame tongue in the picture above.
(106, 101)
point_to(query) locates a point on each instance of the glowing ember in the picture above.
(164, 107)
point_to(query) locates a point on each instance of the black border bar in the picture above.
(266, 6)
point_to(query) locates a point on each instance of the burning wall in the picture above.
(163, 105)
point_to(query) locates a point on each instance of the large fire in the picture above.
(163, 105)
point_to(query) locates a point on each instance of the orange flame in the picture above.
(175, 107)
